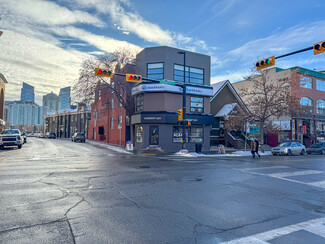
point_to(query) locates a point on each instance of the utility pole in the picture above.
(184, 102)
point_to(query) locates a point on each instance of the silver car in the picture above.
(289, 148)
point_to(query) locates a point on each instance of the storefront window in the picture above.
(196, 104)
(139, 133)
(196, 134)
(283, 137)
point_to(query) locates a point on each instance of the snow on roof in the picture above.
(217, 86)
(226, 109)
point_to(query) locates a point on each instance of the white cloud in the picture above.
(101, 42)
(49, 13)
(38, 63)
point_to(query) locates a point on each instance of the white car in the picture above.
(289, 148)
(10, 138)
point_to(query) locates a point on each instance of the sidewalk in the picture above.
(109, 146)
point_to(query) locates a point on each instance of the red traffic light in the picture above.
(133, 78)
(100, 71)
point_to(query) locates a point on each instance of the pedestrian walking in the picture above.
(253, 147)
(256, 149)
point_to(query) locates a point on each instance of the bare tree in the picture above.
(87, 83)
(268, 99)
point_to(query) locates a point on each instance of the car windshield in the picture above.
(285, 144)
(9, 132)
(80, 134)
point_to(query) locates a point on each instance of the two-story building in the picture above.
(310, 90)
(155, 122)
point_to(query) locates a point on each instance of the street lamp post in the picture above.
(184, 103)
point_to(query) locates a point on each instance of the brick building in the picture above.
(64, 123)
(109, 121)
(3, 81)
(311, 92)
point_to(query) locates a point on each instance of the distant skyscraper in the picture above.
(27, 93)
(65, 99)
(52, 101)
(22, 113)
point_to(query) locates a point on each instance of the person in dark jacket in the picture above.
(253, 147)
(256, 149)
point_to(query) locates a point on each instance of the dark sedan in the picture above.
(78, 137)
(318, 147)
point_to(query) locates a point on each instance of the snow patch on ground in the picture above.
(234, 154)
(108, 146)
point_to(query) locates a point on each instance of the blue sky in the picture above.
(44, 42)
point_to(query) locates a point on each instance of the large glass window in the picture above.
(139, 103)
(139, 133)
(112, 123)
(112, 103)
(320, 85)
(193, 134)
(155, 71)
(321, 107)
(196, 134)
(197, 105)
(192, 75)
(305, 101)
(306, 82)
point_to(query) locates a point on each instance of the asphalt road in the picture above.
(56, 191)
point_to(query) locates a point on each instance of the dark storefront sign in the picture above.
(170, 118)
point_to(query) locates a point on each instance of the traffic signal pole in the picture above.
(295, 52)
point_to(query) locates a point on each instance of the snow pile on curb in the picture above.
(108, 146)
(234, 154)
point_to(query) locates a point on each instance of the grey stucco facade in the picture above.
(156, 124)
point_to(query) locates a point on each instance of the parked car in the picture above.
(23, 134)
(78, 137)
(50, 135)
(318, 147)
(289, 148)
(11, 138)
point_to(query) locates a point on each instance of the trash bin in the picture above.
(198, 148)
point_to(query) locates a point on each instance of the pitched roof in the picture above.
(226, 109)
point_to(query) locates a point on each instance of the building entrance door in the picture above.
(154, 135)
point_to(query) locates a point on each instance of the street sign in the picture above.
(167, 82)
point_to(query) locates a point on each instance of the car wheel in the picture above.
(302, 152)
(274, 154)
(289, 153)
(19, 146)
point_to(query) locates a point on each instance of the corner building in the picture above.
(155, 122)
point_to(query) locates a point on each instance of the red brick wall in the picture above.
(114, 136)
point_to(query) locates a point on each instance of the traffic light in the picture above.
(319, 47)
(180, 114)
(133, 78)
(103, 72)
(265, 63)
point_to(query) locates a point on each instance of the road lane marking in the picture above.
(317, 183)
(315, 226)
(271, 167)
(281, 176)
(298, 173)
